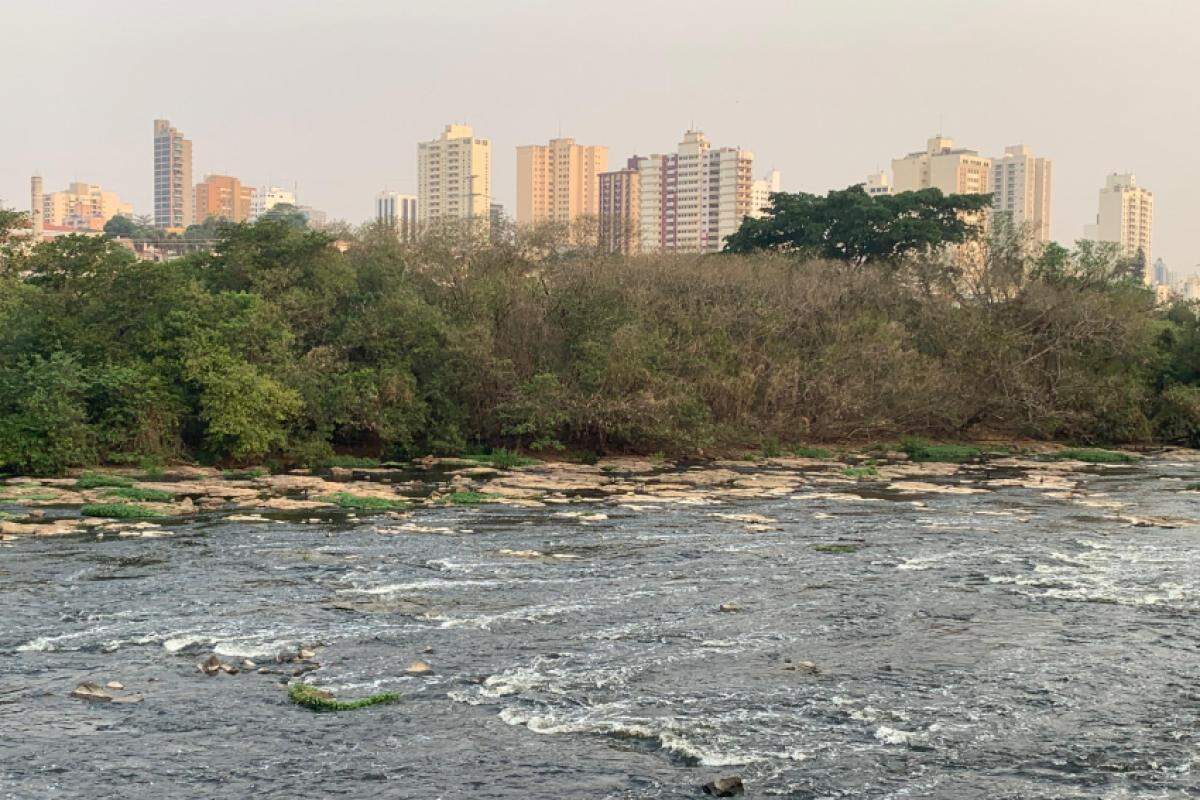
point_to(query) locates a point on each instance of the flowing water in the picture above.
(1005, 644)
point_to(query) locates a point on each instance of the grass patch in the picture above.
(245, 474)
(812, 452)
(836, 548)
(94, 480)
(316, 699)
(860, 472)
(501, 459)
(1092, 455)
(468, 498)
(140, 494)
(117, 511)
(348, 461)
(1193, 487)
(921, 450)
(33, 495)
(358, 502)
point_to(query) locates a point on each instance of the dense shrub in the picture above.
(279, 348)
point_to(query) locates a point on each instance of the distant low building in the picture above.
(267, 198)
(878, 184)
(81, 206)
(223, 197)
(398, 212)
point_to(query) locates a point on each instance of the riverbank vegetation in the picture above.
(278, 347)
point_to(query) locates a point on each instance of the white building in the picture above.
(268, 197)
(691, 200)
(1126, 217)
(761, 191)
(454, 177)
(1021, 190)
(878, 184)
(398, 212)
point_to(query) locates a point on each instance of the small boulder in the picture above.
(306, 655)
(210, 666)
(114, 685)
(725, 787)
(418, 668)
(248, 664)
(92, 692)
(729, 608)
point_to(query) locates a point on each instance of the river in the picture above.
(1013, 642)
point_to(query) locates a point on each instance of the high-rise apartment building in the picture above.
(398, 212)
(558, 182)
(82, 206)
(267, 198)
(761, 191)
(1021, 191)
(619, 200)
(691, 200)
(878, 184)
(454, 177)
(223, 197)
(1126, 217)
(941, 165)
(1162, 275)
(172, 177)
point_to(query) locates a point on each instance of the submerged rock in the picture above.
(725, 787)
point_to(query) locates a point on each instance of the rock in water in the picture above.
(114, 685)
(418, 668)
(210, 666)
(725, 787)
(92, 692)
(729, 608)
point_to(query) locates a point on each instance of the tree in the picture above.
(120, 227)
(850, 225)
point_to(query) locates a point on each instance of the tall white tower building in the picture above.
(454, 177)
(1126, 217)
(1021, 190)
(691, 200)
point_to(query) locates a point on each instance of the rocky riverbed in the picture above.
(1018, 627)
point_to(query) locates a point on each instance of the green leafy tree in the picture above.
(850, 225)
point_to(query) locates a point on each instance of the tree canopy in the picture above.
(851, 225)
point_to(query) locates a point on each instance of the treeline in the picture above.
(280, 346)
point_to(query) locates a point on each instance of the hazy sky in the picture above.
(333, 96)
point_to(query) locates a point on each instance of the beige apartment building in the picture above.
(82, 206)
(172, 177)
(620, 198)
(1021, 190)
(1126, 217)
(454, 177)
(761, 191)
(223, 197)
(692, 199)
(941, 165)
(558, 182)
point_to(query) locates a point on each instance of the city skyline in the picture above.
(836, 130)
